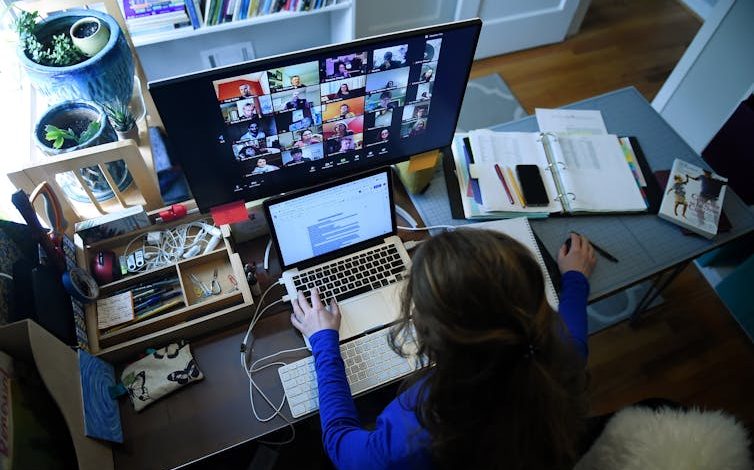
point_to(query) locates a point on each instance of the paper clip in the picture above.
(233, 282)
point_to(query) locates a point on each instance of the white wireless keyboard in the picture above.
(369, 361)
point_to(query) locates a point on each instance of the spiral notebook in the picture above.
(520, 230)
(581, 174)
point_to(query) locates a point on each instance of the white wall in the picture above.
(375, 17)
(713, 75)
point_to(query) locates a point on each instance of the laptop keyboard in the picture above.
(349, 277)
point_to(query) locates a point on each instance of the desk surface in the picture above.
(644, 244)
(214, 414)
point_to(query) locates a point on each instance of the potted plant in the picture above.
(75, 125)
(89, 35)
(123, 121)
(61, 71)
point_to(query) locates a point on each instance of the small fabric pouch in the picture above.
(160, 373)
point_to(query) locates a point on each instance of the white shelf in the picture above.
(188, 32)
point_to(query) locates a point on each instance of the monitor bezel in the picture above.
(263, 63)
(320, 187)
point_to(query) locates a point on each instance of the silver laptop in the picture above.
(340, 237)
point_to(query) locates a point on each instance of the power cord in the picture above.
(246, 352)
(164, 247)
(431, 227)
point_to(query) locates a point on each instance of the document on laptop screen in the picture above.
(319, 223)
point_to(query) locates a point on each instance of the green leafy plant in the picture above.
(59, 53)
(120, 116)
(58, 136)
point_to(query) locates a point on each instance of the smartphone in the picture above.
(532, 185)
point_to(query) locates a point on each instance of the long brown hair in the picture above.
(506, 389)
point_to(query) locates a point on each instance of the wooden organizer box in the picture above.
(197, 316)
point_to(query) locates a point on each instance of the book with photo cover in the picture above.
(693, 198)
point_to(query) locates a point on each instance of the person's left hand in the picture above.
(309, 319)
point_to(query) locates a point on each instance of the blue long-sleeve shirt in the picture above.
(398, 440)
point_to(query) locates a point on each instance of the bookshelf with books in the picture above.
(260, 33)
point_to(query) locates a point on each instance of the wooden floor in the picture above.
(689, 349)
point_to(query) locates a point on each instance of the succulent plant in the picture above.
(120, 116)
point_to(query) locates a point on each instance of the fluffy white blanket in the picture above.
(639, 438)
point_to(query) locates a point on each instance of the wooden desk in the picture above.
(215, 414)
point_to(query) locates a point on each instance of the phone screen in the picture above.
(532, 185)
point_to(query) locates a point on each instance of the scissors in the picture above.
(215, 287)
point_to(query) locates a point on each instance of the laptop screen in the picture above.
(323, 221)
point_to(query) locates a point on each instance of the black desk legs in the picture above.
(659, 284)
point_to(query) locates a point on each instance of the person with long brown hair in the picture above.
(505, 383)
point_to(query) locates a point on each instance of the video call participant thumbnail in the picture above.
(415, 111)
(343, 89)
(378, 136)
(257, 128)
(296, 156)
(297, 120)
(432, 49)
(307, 137)
(255, 148)
(263, 166)
(424, 91)
(388, 80)
(344, 66)
(428, 72)
(241, 87)
(344, 144)
(343, 128)
(296, 99)
(389, 57)
(343, 109)
(385, 100)
(294, 76)
(380, 118)
(413, 128)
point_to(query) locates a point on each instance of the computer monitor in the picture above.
(273, 125)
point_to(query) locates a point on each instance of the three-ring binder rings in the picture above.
(582, 174)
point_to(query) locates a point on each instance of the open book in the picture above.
(589, 173)
(520, 230)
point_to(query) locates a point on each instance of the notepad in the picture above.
(520, 230)
(582, 174)
(115, 310)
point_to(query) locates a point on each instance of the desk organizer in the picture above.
(198, 315)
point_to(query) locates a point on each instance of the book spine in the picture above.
(191, 9)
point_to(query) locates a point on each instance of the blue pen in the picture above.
(155, 299)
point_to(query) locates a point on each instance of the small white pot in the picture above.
(94, 42)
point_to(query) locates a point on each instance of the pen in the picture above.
(515, 187)
(599, 250)
(505, 185)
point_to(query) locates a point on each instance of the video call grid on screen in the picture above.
(344, 109)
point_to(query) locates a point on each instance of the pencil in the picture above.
(600, 250)
(160, 309)
(514, 183)
(505, 185)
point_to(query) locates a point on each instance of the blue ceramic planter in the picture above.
(76, 115)
(107, 76)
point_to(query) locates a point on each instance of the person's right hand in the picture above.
(311, 318)
(579, 258)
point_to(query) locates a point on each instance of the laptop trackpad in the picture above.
(363, 313)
